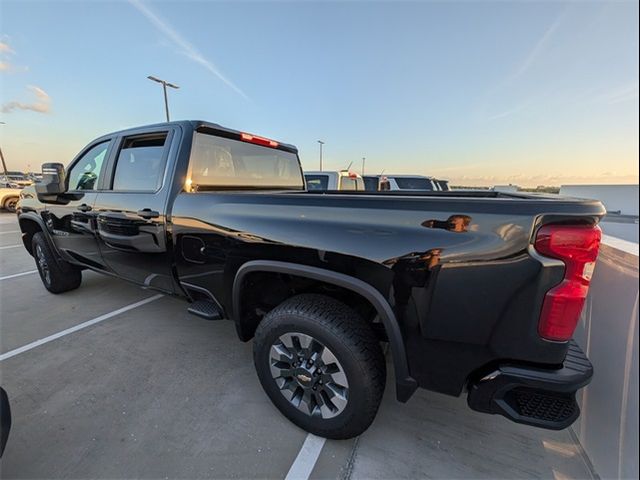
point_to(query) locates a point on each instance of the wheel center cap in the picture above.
(303, 377)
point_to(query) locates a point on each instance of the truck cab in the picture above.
(334, 180)
(411, 183)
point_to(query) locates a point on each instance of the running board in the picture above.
(205, 309)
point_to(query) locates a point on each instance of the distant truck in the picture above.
(415, 183)
(334, 180)
(475, 293)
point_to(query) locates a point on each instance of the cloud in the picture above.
(6, 66)
(183, 45)
(537, 49)
(5, 48)
(524, 180)
(626, 93)
(41, 104)
(511, 111)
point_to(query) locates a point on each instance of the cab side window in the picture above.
(140, 163)
(84, 175)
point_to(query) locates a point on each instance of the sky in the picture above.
(480, 93)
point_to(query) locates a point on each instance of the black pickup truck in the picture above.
(473, 292)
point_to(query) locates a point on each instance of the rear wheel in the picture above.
(10, 204)
(57, 275)
(321, 365)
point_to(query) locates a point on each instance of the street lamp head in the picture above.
(163, 82)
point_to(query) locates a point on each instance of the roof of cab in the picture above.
(195, 125)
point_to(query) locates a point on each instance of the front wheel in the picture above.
(321, 365)
(57, 275)
(11, 204)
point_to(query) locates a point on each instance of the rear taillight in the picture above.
(577, 246)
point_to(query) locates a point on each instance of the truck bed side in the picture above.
(459, 272)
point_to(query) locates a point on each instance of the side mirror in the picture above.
(53, 181)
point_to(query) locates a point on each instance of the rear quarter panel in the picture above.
(457, 271)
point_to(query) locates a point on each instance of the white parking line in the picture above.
(18, 275)
(307, 457)
(75, 328)
(10, 231)
(11, 246)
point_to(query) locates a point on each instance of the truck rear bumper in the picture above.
(534, 396)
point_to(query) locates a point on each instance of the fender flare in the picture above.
(34, 218)
(405, 384)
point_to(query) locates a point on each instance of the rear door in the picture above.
(131, 210)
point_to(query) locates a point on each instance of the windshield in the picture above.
(413, 183)
(222, 163)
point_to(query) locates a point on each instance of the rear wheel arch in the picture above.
(405, 384)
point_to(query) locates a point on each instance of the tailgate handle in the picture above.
(147, 213)
(84, 207)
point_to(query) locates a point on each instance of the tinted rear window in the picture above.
(413, 183)
(317, 182)
(233, 164)
(371, 184)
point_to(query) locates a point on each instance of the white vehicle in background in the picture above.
(330, 180)
(414, 183)
(16, 178)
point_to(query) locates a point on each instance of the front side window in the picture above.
(85, 173)
(140, 164)
(222, 163)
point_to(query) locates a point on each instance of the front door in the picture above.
(131, 210)
(72, 222)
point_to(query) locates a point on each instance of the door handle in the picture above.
(84, 207)
(147, 213)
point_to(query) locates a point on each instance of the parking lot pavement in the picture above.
(13, 256)
(437, 436)
(151, 393)
(29, 312)
(9, 237)
(155, 392)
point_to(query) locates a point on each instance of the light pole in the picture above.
(363, 159)
(165, 84)
(4, 165)
(321, 144)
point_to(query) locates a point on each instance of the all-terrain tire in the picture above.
(57, 275)
(352, 342)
